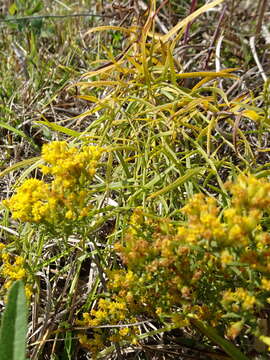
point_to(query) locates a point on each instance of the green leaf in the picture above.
(60, 128)
(14, 325)
(12, 9)
(17, 132)
(37, 7)
(20, 164)
(190, 173)
(265, 339)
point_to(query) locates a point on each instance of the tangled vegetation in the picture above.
(136, 193)
(213, 267)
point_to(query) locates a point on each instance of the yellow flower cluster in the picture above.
(70, 166)
(136, 219)
(31, 201)
(95, 344)
(265, 284)
(65, 197)
(12, 269)
(250, 199)
(238, 300)
(234, 329)
(109, 312)
(174, 271)
(250, 193)
(203, 220)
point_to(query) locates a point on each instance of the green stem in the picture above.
(213, 335)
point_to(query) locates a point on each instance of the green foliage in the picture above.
(14, 325)
(212, 267)
(129, 223)
(21, 8)
(165, 123)
(212, 334)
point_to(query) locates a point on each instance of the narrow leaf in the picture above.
(17, 132)
(20, 164)
(190, 18)
(213, 335)
(176, 183)
(251, 114)
(111, 27)
(209, 75)
(14, 325)
(59, 128)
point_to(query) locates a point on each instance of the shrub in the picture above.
(213, 266)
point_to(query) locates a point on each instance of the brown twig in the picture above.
(235, 129)
(192, 9)
(256, 58)
(214, 38)
(261, 11)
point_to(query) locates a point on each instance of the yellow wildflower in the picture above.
(265, 284)
(124, 331)
(226, 258)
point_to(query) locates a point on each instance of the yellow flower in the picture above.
(226, 258)
(28, 291)
(181, 231)
(234, 329)
(19, 260)
(235, 234)
(248, 302)
(69, 215)
(13, 270)
(84, 212)
(265, 284)
(159, 311)
(8, 284)
(63, 198)
(5, 257)
(230, 214)
(124, 331)
(29, 201)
